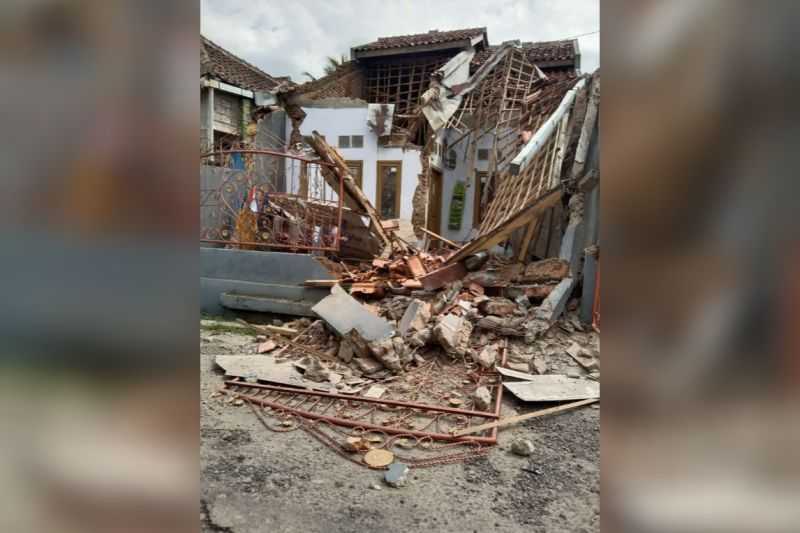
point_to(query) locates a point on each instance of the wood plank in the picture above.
(511, 420)
(439, 237)
(351, 189)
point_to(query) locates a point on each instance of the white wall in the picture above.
(449, 179)
(335, 121)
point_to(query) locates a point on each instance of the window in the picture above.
(351, 141)
(357, 171)
(483, 154)
(389, 173)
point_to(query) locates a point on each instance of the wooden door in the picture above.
(388, 194)
(435, 202)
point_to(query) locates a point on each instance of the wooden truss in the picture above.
(400, 82)
(522, 197)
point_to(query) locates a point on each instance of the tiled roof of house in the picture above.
(538, 53)
(420, 39)
(542, 52)
(220, 64)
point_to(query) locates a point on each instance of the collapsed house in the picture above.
(461, 252)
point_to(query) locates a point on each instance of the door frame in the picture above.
(476, 207)
(438, 201)
(379, 184)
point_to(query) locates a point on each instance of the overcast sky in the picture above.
(289, 37)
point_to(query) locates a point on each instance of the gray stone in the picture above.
(538, 365)
(421, 338)
(522, 447)
(482, 398)
(397, 475)
(487, 357)
(368, 365)
(343, 313)
(416, 317)
(346, 350)
(453, 332)
(384, 352)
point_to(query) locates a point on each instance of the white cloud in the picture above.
(287, 38)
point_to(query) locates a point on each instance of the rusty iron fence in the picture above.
(262, 199)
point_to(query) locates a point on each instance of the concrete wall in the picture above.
(274, 278)
(352, 120)
(451, 176)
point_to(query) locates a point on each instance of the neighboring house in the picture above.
(369, 109)
(228, 92)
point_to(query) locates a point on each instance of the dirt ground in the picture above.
(254, 480)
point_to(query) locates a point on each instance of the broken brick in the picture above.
(415, 266)
(441, 277)
(546, 270)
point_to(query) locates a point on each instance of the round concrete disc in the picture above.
(378, 458)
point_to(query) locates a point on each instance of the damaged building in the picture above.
(434, 140)
(430, 224)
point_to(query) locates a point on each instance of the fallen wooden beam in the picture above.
(511, 420)
(497, 235)
(439, 237)
(289, 332)
(322, 282)
(351, 190)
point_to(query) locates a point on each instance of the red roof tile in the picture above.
(420, 39)
(224, 66)
(538, 53)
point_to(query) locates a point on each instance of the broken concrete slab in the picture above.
(453, 332)
(343, 313)
(416, 317)
(265, 368)
(546, 314)
(553, 388)
(441, 277)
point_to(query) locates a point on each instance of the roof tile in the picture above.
(420, 39)
(223, 65)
